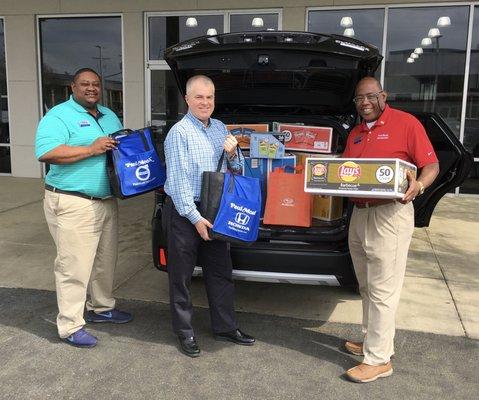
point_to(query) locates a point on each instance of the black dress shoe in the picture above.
(188, 346)
(236, 336)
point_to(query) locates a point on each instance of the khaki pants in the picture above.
(86, 236)
(379, 239)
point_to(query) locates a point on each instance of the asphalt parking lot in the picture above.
(293, 359)
(299, 329)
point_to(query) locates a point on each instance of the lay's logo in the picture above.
(349, 171)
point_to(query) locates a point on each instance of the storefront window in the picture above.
(426, 54)
(253, 22)
(165, 31)
(167, 103)
(5, 163)
(366, 25)
(471, 128)
(68, 44)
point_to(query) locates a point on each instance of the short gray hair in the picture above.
(195, 78)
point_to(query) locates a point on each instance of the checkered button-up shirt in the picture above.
(190, 149)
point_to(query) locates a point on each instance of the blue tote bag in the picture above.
(134, 167)
(239, 212)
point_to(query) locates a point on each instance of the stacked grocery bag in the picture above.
(276, 154)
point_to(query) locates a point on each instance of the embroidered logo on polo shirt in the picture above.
(83, 123)
(357, 139)
(382, 136)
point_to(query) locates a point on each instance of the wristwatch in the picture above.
(421, 188)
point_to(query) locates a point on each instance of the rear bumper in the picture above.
(277, 277)
(326, 263)
(296, 265)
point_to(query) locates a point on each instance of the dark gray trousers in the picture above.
(186, 249)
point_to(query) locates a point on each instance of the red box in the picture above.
(311, 139)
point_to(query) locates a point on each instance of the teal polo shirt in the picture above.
(71, 124)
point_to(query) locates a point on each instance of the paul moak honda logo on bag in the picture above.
(142, 171)
(242, 217)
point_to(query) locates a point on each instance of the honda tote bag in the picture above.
(239, 212)
(232, 203)
(211, 191)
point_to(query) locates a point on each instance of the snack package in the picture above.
(267, 145)
(242, 132)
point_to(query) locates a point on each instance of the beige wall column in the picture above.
(294, 18)
(133, 70)
(23, 93)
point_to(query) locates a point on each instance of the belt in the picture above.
(71, 193)
(375, 203)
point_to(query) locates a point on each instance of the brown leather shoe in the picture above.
(355, 348)
(363, 373)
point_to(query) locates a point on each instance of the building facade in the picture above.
(430, 49)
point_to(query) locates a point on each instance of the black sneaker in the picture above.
(113, 316)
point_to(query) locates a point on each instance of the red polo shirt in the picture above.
(396, 134)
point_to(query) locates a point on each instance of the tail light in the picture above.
(162, 257)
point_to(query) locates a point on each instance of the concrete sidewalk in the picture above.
(440, 295)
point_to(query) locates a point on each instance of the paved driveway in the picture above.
(293, 359)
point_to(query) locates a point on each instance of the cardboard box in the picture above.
(357, 177)
(261, 167)
(267, 145)
(275, 126)
(301, 157)
(327, 208)
(242, 132)
(311, 139)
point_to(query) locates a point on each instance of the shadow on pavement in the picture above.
(34, 312)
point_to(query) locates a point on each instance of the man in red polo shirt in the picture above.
(381, 230)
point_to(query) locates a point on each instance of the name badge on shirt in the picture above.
(383, 136)
(83, 124)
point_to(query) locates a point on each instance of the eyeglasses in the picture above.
(371, 97)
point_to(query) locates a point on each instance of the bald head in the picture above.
(370, 99)
(370, 82)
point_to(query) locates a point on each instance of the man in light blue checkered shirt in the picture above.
(194, 145)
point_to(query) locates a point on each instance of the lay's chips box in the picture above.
(358, 177)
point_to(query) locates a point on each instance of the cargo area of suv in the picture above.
(296, 77)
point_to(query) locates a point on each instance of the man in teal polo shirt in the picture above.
(81, 213)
